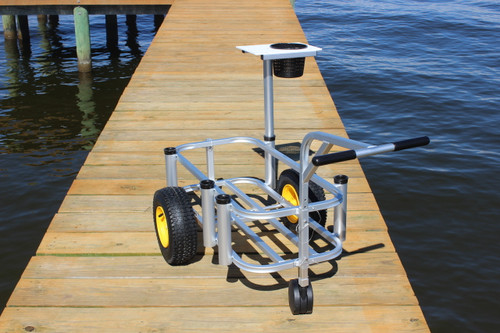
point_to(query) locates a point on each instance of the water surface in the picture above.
(50, 117)
(399, 69)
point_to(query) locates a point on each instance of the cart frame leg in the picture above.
(340, 211)
(171, 165)
(208, 212)
(224, 229)
(303, 233)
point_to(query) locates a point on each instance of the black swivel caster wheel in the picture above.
(300, 298)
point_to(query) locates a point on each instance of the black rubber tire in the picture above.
(316, 193)
(181, 224)
(300, 298)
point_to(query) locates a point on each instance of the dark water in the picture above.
(50, 117)
(396, 69)
(399, 69)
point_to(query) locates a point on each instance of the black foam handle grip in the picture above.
(411, 143)
(334, 157)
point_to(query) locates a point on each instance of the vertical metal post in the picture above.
(269, 136)
(208, 212)
(210, 162)
(303, 230)
(340, 211)
(224, 229)
(171, 165)
(9, 26)
(82, 36)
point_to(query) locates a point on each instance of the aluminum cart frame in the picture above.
(225, 205)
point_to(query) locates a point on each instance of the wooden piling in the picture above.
(9, 26)
(42, 19)
(53, 20)
(111, 32)
(23, 30)
(82, 36)
(131, 21)
(158, 20)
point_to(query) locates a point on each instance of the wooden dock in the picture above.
(98, 268)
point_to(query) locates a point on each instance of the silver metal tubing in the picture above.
(275, 153)
(191, 168)
(255, 268)
(303, 233)
(171, 169)
(208, 212)
(270, 163)
(340, 211)
(334, 139)
(324, 256)
(311, 169)
(260, 213)
(268, 99)
(372, 150)
(270, 166)
(224, 229)
(258, 241)
(210, 162)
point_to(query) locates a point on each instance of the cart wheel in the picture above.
(175, 225)
(288, 188)
(300, 298)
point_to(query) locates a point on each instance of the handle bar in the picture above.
(352, 154)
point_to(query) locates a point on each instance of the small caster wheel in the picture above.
(300, 298)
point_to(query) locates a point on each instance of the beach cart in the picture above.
(296, 202)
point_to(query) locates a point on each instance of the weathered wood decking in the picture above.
(98, 268)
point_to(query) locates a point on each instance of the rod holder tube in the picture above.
(171, 165)
(340, 211)
(208, 212)
(224, 229)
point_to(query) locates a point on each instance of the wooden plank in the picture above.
(222, 170)
(367, 264)
(147, 186)
(145, 243)
(143, 203)
(355, 319)
(199, 291)
(143, 221)
(180, 135)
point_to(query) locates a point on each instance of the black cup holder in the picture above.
(291, 67)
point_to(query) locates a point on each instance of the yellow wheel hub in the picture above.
(291, 195)
(161, 226)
